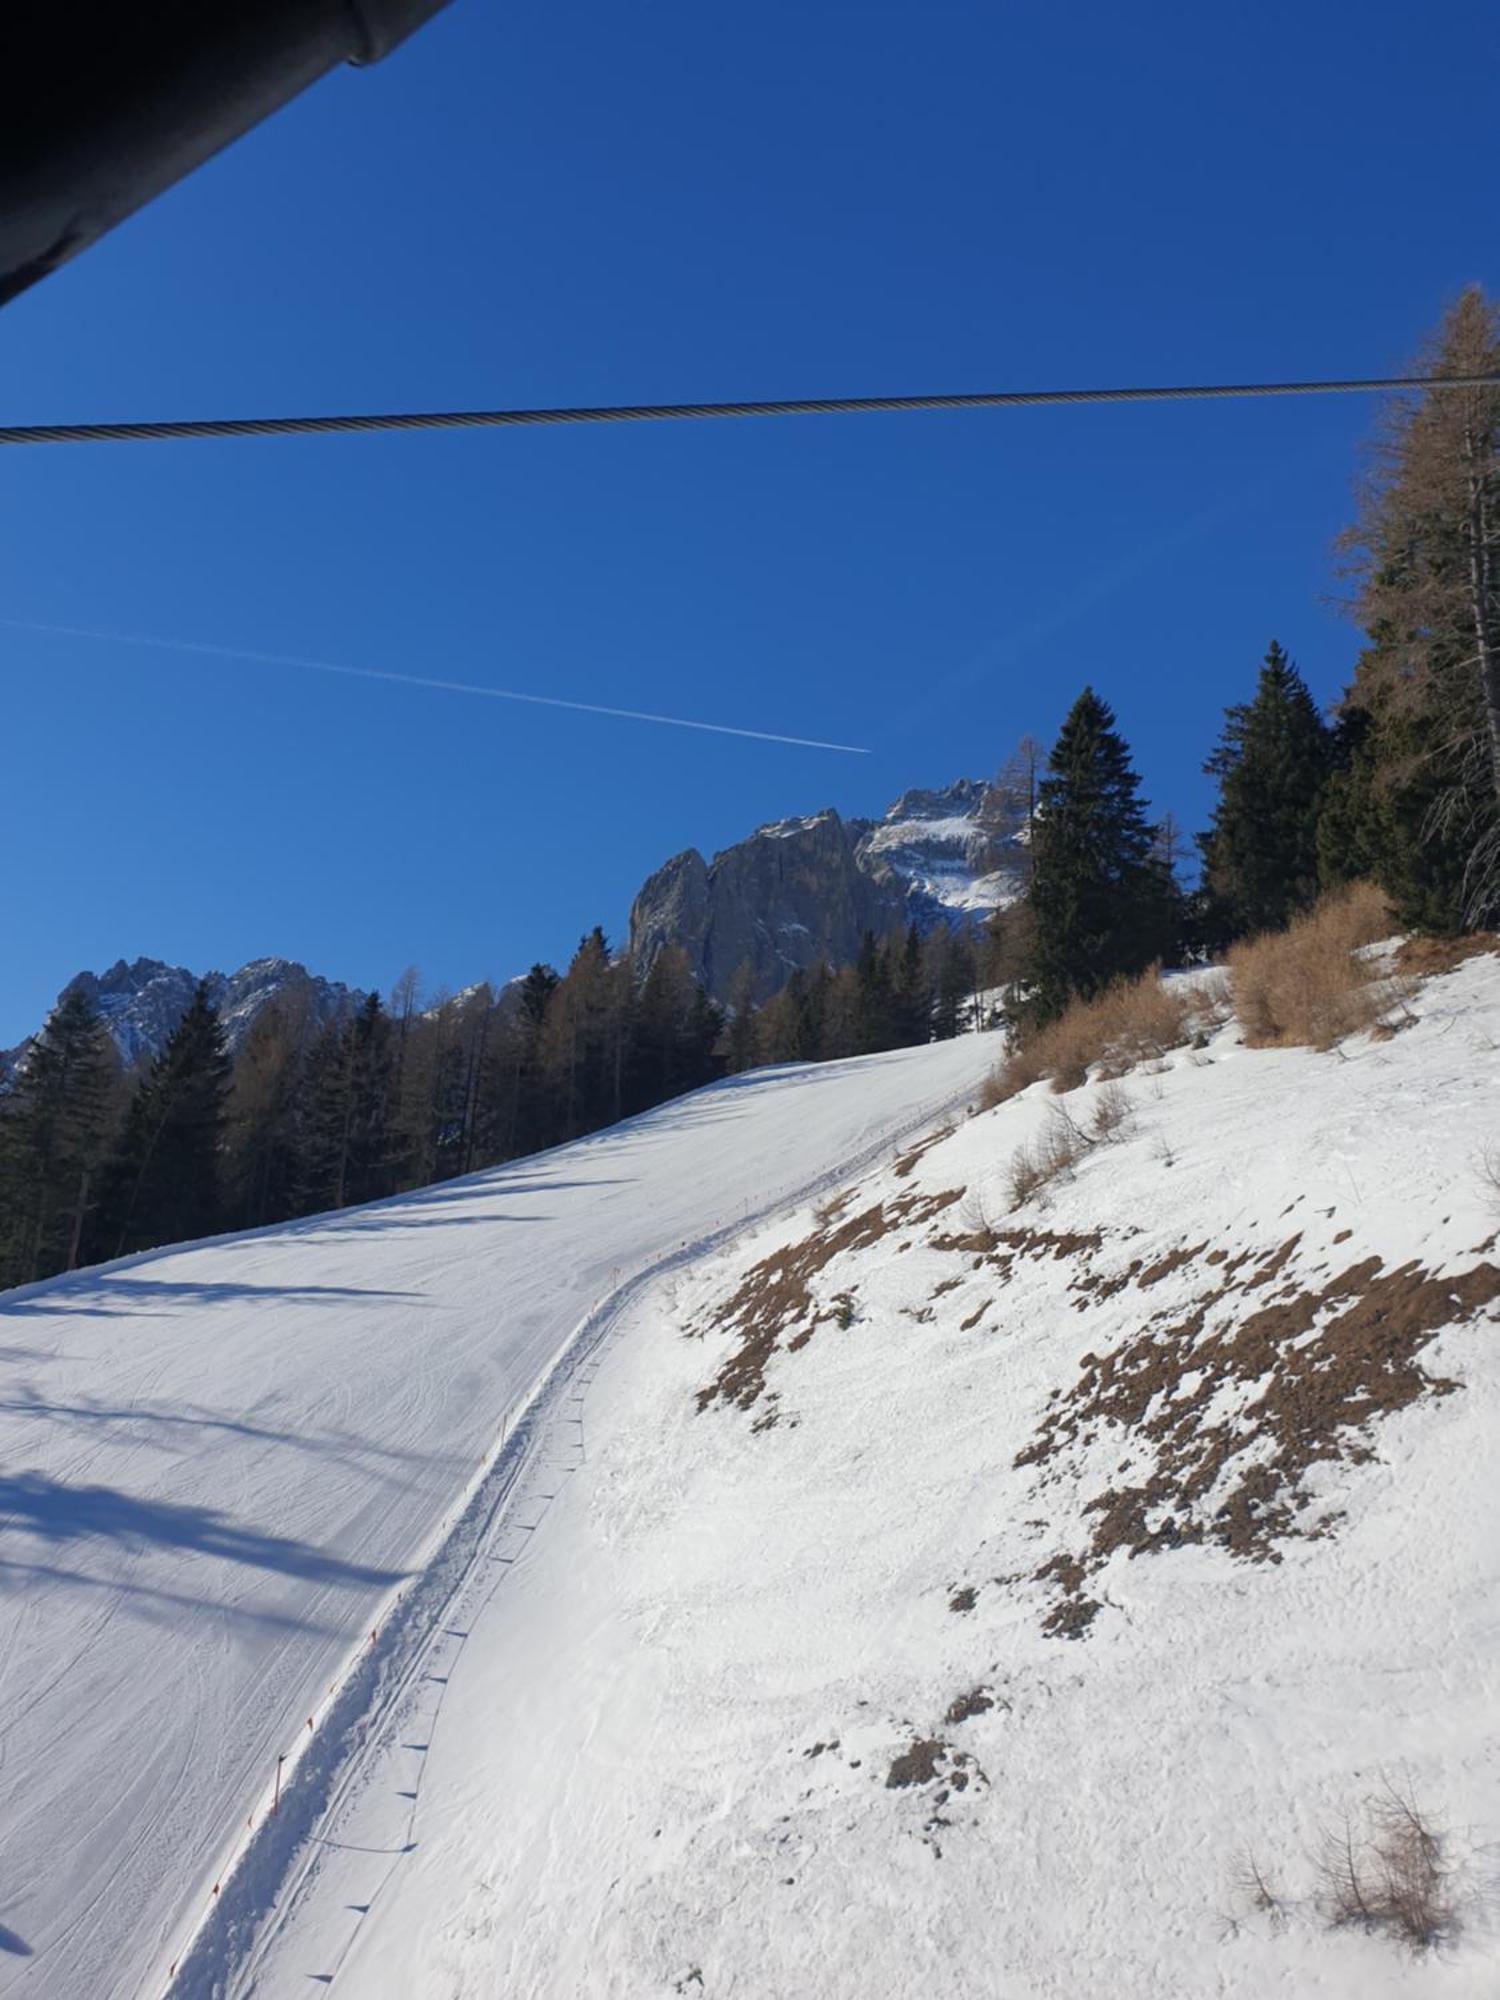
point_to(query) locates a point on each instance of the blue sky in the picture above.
(577, 203)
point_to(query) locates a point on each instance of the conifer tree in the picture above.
(1101, 905)
(349, 1141)
(874, 1008)
(54, 1126)
(582, 1039)
(1273, 760)
(533, 1123)
(739, 1045)
(162, 1184)
(1419, 789)
(911, 995)
(675, 1029)
(264, 1131)
(955, 977)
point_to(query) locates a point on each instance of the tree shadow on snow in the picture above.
(169, 1427)
(32, 1504)
(144, 1295)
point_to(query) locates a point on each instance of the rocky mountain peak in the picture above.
(802, 892)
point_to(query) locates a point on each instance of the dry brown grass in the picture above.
(1310, 986)
(1427, 956)
(1134, 1021)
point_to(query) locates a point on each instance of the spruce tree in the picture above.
(911, 994)
(349, 1141)
(955, 975)
(874, 1017)
(266, 1106)
(1101, 904)
(1273, 760)
(54, 1126)
(162, 1184)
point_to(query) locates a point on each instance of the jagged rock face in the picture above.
(803, 892)
(142, 1002)
(672, 908)
(957, 851)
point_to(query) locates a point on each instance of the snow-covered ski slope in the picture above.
(236, 1474)
(1026, 1579)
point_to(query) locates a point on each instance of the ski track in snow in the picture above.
(662, 1765)
(228, 1465)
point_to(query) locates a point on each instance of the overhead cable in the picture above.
(182, 428)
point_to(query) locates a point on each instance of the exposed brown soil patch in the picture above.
(1165, 1266)
(976, 1702)
(917, 1765)
(775, 1296)
(1298, 1380)
(964, 1599)
(907, 1161)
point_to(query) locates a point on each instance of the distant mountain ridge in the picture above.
(802, 892)
(795, 893)
(142, 1000)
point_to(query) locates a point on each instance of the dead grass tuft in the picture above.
(1311, 986)
(1134, 1021)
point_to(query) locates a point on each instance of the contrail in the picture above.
(424, 681)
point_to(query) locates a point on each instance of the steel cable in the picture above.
(634, 413)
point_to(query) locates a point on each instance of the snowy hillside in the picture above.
(902, 1595)
(935, 1600)
(254, 1485)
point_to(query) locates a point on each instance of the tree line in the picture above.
(1401, 783)
(313, 1115)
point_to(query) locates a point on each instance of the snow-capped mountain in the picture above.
(803, 891)
(142, 1001)
(959, 852)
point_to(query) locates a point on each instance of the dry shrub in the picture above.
(975, 1220)
(1051, 1156)
(1112, 1114)
(1310, 985)
(1133, 1021)
(1389, 1875)
(1257, 1891)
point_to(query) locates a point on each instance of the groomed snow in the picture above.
(655, 1753)
(243, 1476)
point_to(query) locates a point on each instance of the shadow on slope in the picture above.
(143, 1295)
(156, 1424)
(50, 1511)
